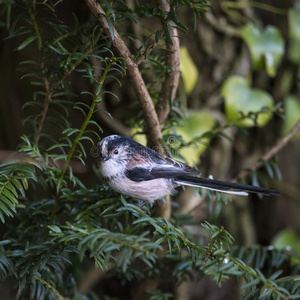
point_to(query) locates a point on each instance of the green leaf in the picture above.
(251, 284)
(167, 34)
(12, 189)
(55, 229)
(241, 100)
(294, 53)
(70, 131)
(27, 42)
(5, 209)
(190, 128)
(288, 239)
(5, 242)
(294, 34)
(111, 27)
(266, 47)
(294, 23)
(275, 275)
(112, 13)
(188, 69)
(292, 113)
(11, 176)
(142, 219)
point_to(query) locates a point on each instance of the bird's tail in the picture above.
(224, 186)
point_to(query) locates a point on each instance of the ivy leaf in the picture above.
(294, 33)
(266, 47)
(294, 22)
(192, 127)
(240, 99)
(188, 70)
(292, 113)
(285, 239)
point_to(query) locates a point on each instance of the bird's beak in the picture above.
(105, 158)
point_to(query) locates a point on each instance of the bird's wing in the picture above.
(144, 156)
(180, 166)
(164, 161)
(152, 165)
(145, 173)
(182, 177)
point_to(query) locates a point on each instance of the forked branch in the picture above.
(152, 122)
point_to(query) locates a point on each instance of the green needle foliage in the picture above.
(53, 223)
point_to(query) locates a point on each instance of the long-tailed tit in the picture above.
(139, 172)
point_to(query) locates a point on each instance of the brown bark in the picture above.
(153, 126)
(170, 84)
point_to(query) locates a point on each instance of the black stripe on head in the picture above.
(116, 141)
(133, 147)
(105, 144)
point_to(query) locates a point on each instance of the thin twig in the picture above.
(49, 91)
(48, 94)
(168, 90)
(50, 287)
(272, 152)
(113, 124)
(255, 4)
(268, 155)
(47, 100)
(77, 139)
(153, 126)
(269, 284)
(170, 84)
(150, 48)
(221, 25)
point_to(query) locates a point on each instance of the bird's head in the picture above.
(114, 153)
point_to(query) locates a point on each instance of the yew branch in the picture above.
(272, 152)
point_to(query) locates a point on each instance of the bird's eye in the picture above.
(116, 151)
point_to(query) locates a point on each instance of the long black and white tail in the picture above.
(224, 186)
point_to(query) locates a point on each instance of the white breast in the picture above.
(111, 168)
(145, 190)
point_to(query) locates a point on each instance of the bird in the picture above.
(141, 173)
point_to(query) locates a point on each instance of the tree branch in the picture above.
(221, 25)
(23, 158)
(50, 88)
(48, 93)
(113, 124)
(153, 126)
(272, 152)
(151, 117)
(167, 96)
(170, 85)
(78, 137)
